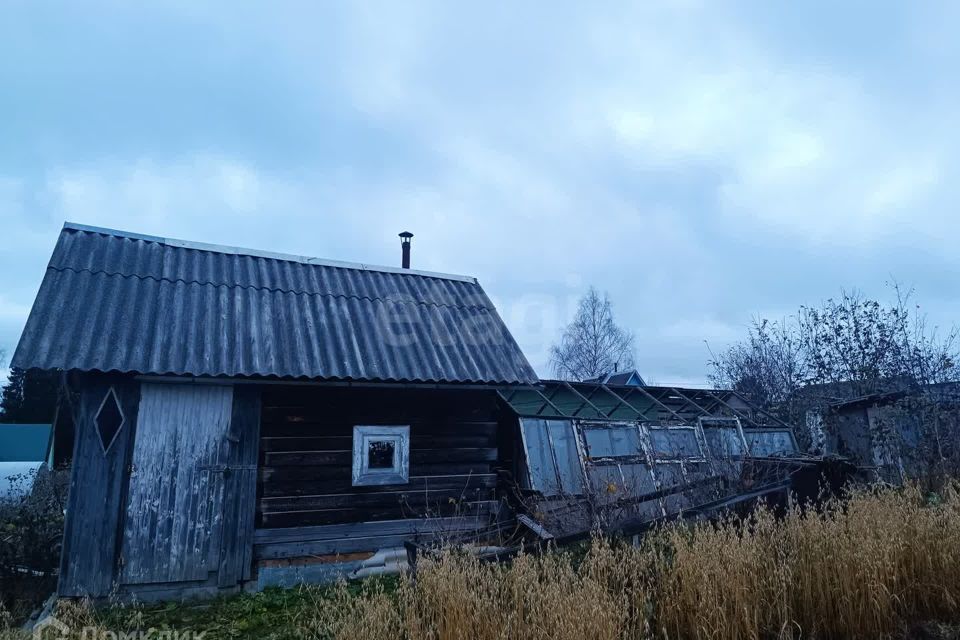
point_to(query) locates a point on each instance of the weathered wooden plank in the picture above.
(468, 491)
(534, 526)
(372, 514)
(94, 522)
(173, 529)
(345, 458)
(407, 404)
(405, 526)
(276, 551)
(236, 555)
(291, 481)
(307, 451)
(372, 543)
(345, 443)
(343, 427)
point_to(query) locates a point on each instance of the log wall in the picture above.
(306, 455)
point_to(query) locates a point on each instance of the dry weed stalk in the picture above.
(860, 568)
(865, 567)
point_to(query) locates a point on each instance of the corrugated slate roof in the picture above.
(116, 301)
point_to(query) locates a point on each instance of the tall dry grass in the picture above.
(866, 567)
(863, 568)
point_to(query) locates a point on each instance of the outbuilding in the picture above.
(245, 418)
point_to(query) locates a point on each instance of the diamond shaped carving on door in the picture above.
(109, 419)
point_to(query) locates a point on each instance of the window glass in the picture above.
(552, 457)
(669, 475)
(613, 441)
(723, 442)
(637, 479)
(675, 443)
(380, 454)
(768, 443)
(540, 462)
(566, 456)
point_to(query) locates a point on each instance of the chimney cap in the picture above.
(405, 234)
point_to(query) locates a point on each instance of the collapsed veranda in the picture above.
(245, 418)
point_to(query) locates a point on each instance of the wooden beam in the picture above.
(560, 414)
(676, 415)
(586, 401)
(534, 526)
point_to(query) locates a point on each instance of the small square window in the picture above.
(381, 455)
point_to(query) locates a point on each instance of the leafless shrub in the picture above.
(856, 343)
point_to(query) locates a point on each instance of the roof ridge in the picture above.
(269, 255)
(271, 289)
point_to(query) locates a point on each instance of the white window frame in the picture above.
(583, 426)
(399, 472)
(723, 423)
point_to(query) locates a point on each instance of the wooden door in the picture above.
(175, 500)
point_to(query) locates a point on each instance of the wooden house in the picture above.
(245, 418)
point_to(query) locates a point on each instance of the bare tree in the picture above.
(592, 344)
(856, 345)
(768, 366)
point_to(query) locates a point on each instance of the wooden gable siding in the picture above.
(306, 455)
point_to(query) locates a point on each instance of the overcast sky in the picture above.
(703, 162)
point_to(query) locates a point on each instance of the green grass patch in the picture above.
(274, 613)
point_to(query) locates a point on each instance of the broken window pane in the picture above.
(613, 441)
(380, 454)
(675, 443)
(723, 442)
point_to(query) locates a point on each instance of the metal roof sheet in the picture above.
(116, 301)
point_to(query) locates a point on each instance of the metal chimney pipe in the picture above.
(405, 246)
